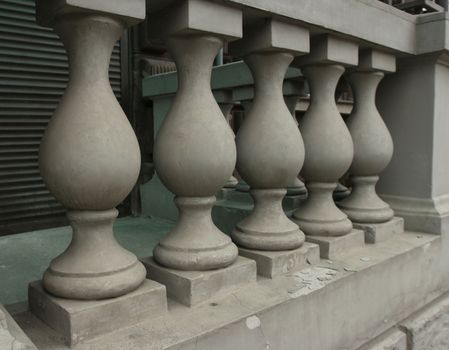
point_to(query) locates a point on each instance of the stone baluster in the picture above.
(226, 103)
(270, 150)
(195, 153)
(90, 160)
(373, 146)
(89, 157)
(328, 144)
(292, 93)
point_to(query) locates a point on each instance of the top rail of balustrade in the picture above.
(368, 22)
(371, 23)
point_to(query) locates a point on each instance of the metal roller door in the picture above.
(33, 76)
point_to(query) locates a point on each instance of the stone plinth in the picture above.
(194, 287)
(274, 263)
(78, 320)
(375, 233)
(330, 246)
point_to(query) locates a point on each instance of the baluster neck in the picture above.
(194, 56)
(364, 86)
(89, 41)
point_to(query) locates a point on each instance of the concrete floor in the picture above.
(24, 257)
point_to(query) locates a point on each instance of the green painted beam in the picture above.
(227, 76)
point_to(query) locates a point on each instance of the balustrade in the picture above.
(90, 158)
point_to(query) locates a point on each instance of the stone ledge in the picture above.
(373, 286)
(194, 287)
(78, 320)
(272, 263)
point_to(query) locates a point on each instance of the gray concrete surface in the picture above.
(370, 283)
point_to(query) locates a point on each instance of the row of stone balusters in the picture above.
(90, 156)
(270, 149)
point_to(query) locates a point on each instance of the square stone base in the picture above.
(375, 233)
(330, 247)
(78, 320)
(274, 263)
(194, 287)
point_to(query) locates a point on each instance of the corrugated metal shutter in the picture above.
(33, 76)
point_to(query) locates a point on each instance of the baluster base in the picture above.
(194, 287)
(340, 192)
(363, 205)
(79, 320)
(375, 233)
(332, 247)
(274, 263)
(267, 227)
(318, 215)
(232, 182)
(195, 243)
(94, 266)
(297, 189)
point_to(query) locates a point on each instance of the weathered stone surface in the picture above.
(132, 11)
(373, 295)
(274, 263)
(428, 329)
(11, 335)
(375, 60)
(329, 49)
(196, 16)
(375, 233)
(193, 287)
(330, 247)
(79, 320)
(392, 340)
(273, 35)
